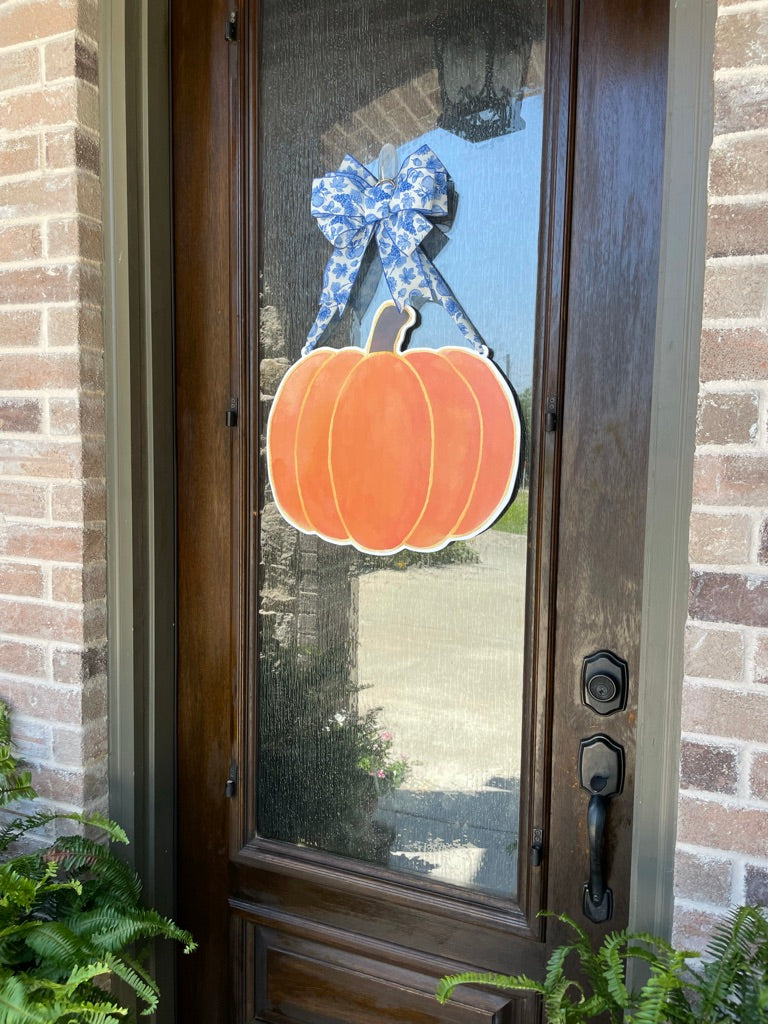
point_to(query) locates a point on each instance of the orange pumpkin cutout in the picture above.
(386, 449)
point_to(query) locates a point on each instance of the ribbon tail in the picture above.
(412, 276)
(323, 319)
(339, 277)
(442, 293)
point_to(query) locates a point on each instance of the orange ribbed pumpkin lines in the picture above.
(385, 449)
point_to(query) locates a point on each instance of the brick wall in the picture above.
(723, 816)
(52, 488)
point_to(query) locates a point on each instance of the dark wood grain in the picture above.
(201, 161)
(303, 939)
(611, 312)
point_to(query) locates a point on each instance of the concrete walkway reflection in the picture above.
(440, 650)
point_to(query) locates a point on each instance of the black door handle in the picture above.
(596, 889)
(601, 773)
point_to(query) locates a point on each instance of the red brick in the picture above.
(39, 371)
(739, 166)
(53, 105)
(32, 739)
(21, 659)
(741, 102)
(79, 501)
(693, 928)
(75, 237)
(762, 540)
(741, 40)
(714, 653)
(79, 665)
(74, 788)
(720, 827)
(40, 458)
(92, 369)
(88, 195)
(730, 714)
(59, 704)
(728, 418)
(756, 885)
(49, 543)
(77, 746)
(710, 768)
(76, 325)
(735, 291)
(19, 68)
(39, 197)
(704, 879)
(78, 585)
(94, 458)
(734, 354)
(36, 19)
(72, 147)
(720, 539)
(38, 620)
(732, 479)
(19, 155)
(19, 328)
(21, 580)
(72, 416)
(95, 621)
(740, 598)
(758, 776)
(20, 242)
(19, 498)
(65, 282)
(71, 57)
(761, 660)
(20, 415)
(737, 229)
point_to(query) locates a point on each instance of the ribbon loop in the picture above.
(351, 206)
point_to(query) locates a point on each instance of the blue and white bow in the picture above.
(351, 205)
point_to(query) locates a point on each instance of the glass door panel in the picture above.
(391, 687)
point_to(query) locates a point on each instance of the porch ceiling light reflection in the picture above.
(482, 55)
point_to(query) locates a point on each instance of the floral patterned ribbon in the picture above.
(351, 205)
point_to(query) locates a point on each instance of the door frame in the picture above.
(138, 278)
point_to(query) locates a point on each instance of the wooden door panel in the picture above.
(310, 974)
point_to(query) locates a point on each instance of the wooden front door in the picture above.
(379, 756)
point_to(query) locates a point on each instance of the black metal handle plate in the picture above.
(601, 773)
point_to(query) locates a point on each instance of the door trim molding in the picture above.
(134, 99)
(673, 428)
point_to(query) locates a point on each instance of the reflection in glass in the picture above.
(390, 689)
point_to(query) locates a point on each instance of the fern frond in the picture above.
(504, 981)
(612, 960)
(55, 944)
(146, 990)
(116, 881)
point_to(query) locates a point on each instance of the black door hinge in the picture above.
(230, 786)
(230, 32)
(550, 414)
(231, 415)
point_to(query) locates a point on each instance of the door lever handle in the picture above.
(595, 888)
(601, 773)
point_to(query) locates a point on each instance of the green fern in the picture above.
(70, 914)
(730, 986)
(564, 998)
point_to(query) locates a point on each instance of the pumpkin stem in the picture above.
(389, 328)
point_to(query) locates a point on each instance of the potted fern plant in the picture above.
(728, 986)
(71, 917)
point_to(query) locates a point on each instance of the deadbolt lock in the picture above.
(604, 682)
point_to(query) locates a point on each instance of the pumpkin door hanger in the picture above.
(388, 449)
